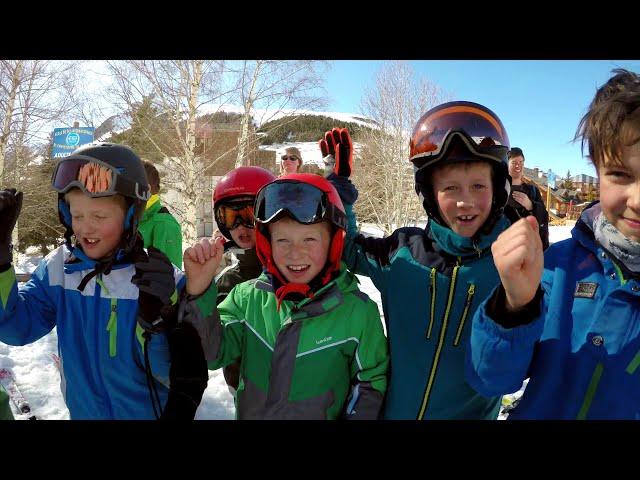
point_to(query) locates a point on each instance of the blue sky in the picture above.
(539, 102)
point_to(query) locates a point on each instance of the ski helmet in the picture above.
(236, 184)
(472, 127)
(102, 170)
(306, 198)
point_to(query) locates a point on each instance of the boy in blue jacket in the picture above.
(431, 280)
(110, 300)
(569, 321)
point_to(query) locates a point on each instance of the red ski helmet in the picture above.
(306, 198)
(239, 182)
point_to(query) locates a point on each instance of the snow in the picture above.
(39, 379)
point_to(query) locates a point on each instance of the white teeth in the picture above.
(297, 268)
(466, 217)
(91, 240)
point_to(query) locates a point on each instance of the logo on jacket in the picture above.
(585, 290)
(324, 340)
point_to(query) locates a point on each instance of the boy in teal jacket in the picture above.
(431, 280)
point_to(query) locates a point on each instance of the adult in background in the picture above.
(525, 198)
(158, 227)
(291, 161)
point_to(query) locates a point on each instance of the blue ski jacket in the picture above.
(431, 281)
(100, 343)
(582, 353)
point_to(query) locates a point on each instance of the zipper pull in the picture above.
(477, 248)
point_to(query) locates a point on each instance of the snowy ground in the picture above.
(39, 380)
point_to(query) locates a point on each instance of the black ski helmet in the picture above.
(477, 130)
(129, 180)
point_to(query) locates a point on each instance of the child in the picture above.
(158, 227)
(310, 344)
(107, 297)
(577, 337)
(233, 200)
(431, 280)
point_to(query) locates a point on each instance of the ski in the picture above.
(8, 383)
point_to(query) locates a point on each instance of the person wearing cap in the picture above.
(525, 198)
(432, 279)
(290, 161)
(310, 343)
(158, 227)
(123, 355)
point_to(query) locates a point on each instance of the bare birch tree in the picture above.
(31, 98)
(272, 86)
(177, 88)
(383, 173)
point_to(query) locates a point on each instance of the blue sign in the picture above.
(66, 140)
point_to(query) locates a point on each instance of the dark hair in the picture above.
(153, 177)
(516, 152)
(613, 119)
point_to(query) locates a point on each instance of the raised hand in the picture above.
(517, 254)
(10, 206)
(201, 262)
(337, 152)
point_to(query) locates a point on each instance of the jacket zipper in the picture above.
(443, 331)
(433, 301)
(470, 293)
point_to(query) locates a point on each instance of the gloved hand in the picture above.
(188, 374)
(10, 206)
(154, 278)
(337, 152)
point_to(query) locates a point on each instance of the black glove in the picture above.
(154, 278)
(347, 190)
(188, 374)
(10, 206)
(337, 152)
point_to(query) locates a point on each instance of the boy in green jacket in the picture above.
(311, 345)
(158, 227)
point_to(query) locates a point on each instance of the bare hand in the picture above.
(201, 262)
(517, 254)
(523, 200)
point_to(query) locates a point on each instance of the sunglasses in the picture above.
(289, 157)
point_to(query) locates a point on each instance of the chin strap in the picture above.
(300, 288)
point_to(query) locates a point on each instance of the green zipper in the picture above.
(443, 331)
(470, 293)
(591, 392)
(112, 327)
(433, 301)
(634, 364)
(112, 324)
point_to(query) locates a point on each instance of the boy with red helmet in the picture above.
(233, 200)
(432, 279)
(311, 345)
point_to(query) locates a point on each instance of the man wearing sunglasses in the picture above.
(291, 161)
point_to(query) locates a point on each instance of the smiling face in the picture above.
(516, 165)
(98, 223)
(464, 192)
(620, 192)
(299, 251)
